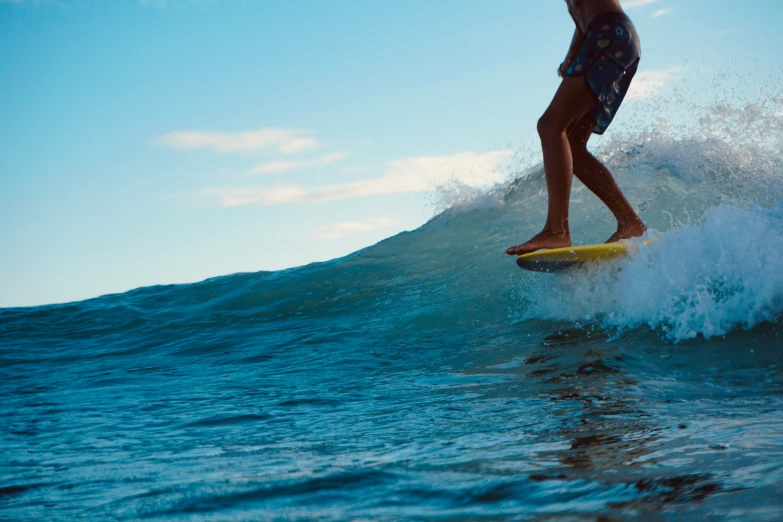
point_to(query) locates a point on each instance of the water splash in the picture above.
(721, 274)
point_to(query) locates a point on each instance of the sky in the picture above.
(149, 142)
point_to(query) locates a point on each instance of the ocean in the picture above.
(426, 376)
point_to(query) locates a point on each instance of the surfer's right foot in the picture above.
(545, 239)
(627, 231)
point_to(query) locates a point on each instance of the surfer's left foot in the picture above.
(627, 231)
(545, 239)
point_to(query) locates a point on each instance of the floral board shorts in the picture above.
(608, 60)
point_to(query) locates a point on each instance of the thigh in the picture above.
(572, 101)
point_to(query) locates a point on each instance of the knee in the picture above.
(549, 126)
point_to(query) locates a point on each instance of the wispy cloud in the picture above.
(285, 141)
(280, 167)
(647, 83)
(346, 228)
(631, 4)
(661, 12)
(418, 174)
(779, 113)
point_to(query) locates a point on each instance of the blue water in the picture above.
(428, 377)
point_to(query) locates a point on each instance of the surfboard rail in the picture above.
(556, 259)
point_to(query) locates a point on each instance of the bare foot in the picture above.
(545, 239)
(627, 231)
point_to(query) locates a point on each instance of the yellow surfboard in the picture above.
(556, 259)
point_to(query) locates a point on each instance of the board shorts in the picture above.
(608, 60)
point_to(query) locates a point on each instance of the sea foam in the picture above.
(723, 273)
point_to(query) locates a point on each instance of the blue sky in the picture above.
(152, 142)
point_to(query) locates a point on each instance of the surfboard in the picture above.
(556, 259)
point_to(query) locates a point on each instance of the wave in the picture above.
(711, 198)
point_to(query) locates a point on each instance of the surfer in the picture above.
(597, 72)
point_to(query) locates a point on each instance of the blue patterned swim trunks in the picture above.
(608, 60)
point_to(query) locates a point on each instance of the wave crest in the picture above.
(723, 273)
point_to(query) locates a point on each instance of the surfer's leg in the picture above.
(572, 100)
(599, 180)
